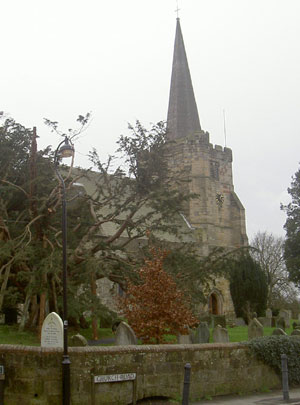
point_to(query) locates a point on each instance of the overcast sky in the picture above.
(63, 58)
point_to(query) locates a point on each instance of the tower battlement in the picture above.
(199, 144)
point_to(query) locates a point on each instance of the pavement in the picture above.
(271, 398)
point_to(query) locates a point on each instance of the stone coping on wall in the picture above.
(123, 349)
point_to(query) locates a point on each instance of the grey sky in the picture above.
(63, 58)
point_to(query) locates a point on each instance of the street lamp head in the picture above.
(66, 150)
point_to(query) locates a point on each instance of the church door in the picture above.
(214, 304)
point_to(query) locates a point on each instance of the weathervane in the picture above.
(177, 9)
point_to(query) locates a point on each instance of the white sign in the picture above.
(52, 331)
(114, 378)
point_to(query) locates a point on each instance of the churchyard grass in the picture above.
(9, 334)
(240, 333)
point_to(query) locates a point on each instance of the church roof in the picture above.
(183, 119)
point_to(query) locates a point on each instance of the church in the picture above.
(217, 217)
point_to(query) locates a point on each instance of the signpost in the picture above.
(114, 378)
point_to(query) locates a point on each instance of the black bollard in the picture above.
(285, 378)
(186, 384)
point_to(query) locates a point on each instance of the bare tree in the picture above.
(269, 252)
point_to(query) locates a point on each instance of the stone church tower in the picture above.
(217, 215)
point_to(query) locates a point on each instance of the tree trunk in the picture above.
(42, 312)
(24, 315)
(34, 311)
(94, 318)
(53, 301)
(4, 285)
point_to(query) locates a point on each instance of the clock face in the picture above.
(219, 199)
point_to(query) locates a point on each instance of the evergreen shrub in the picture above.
(270, 348)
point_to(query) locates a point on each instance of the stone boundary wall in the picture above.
(33, 374)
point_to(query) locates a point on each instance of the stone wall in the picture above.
(33, 374)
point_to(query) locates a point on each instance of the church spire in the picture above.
(183, 118)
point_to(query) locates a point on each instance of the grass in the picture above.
(240, 333)
(9, 334)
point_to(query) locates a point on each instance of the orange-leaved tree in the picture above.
(155, 306)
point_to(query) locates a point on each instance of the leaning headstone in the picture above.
(184, 339)
(125, 335)
(220, 335)
(296, 332)
(269, 313)
(52, 331)
(78, 340)
(255, 329)
(278, 332)
(240, 322)
(202, 333)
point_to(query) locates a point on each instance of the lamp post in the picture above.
(65, 149)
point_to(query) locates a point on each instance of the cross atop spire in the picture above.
(177, 10)
(183, 118)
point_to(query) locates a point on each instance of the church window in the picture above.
(214, 169)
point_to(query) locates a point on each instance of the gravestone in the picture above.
(286, 315)
(269, 313)
(266, 322)
(240, 322)
(278, 332)
(281, 323)
(296, 332)
(78, 340)
(125, 335)
(255, 329)
(52, 331)
(220, 335)
(202, 333)
(184, 339)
